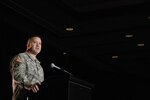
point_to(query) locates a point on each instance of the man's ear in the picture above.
(29, 45)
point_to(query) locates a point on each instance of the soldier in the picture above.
(26, 70)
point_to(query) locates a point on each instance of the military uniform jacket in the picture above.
(25, 70)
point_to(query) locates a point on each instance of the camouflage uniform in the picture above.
(25, 71)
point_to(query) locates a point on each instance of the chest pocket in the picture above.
(31, 67)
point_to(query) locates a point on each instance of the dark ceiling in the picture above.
(99, 36)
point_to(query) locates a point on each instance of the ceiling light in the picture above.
(140, 44)
(114, 56)
(69, 29)
(129, 35)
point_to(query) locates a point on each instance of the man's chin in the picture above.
(37, 52)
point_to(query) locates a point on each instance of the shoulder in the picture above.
(18, 58)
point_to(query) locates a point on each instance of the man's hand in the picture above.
(35, 88)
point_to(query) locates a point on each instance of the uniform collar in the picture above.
(36, 60)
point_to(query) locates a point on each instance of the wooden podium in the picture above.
(64, 87)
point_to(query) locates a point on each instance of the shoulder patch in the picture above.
(18, 60)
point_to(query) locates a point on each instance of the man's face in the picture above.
(36, 45)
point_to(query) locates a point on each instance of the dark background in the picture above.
(102, 30)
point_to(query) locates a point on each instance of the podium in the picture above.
(64, 87)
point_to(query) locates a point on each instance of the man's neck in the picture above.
(31, 54)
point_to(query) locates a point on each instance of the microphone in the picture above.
(54, 66)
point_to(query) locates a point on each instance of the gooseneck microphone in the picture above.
(54, 66)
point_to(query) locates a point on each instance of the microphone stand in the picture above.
(66, 71)
(54, 66)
